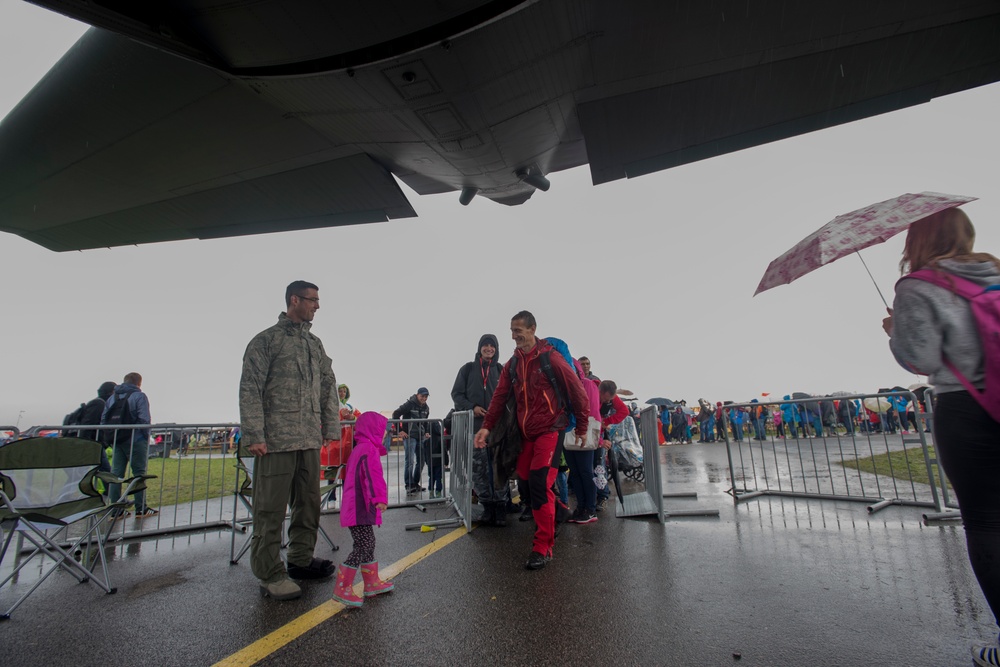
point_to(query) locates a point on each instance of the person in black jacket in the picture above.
(91, 415)
(473, 390)
(414, 434)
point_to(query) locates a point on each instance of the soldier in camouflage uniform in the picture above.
(288, 408)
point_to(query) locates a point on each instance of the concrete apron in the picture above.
(773, 581)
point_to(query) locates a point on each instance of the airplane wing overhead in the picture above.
(203, 118)
(123, 144)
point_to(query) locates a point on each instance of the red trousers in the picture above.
(536, 466)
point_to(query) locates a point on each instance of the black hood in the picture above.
(105, 390)
(488, 338)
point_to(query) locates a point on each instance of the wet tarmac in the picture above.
(771, 581)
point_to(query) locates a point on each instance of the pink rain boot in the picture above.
(374, 585)
(343, 588)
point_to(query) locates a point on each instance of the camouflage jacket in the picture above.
(288, 392)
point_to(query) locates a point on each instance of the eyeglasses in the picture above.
(314, 299)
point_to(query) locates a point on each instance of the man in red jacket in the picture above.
(541, 417)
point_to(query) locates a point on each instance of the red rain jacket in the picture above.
(538, 410)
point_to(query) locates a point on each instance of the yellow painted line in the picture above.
(294, 629)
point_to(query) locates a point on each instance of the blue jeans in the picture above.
(432, 454)
(411, 463)
(134, 455)
(562, 488)
(709, 431)
(581, 470)
(738, 431)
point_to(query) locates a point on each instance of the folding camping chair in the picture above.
(48, 484)
(329, 483)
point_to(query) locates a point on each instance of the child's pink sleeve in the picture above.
(378, 480)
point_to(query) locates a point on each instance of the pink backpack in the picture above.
(985, 305)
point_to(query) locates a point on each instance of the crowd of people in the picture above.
(762, 419)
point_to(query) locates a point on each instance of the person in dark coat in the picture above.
(414, 434)
(474, 386)
(91, 415)
(847, 411)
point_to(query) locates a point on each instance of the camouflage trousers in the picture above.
(482, 478)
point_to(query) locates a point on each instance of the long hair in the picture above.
(947, 234)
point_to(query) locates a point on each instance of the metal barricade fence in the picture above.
(650, 499)
(427, 452)
(194, 465)
(460, 483)
(832, 462)
(927, 419)
(196, 474)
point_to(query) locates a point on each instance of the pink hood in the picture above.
(370, 427)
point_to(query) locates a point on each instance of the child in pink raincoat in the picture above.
(364, 497)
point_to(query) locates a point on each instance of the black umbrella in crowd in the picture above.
(812, 406)
(665, 402)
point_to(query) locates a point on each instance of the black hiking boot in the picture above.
(499, 514)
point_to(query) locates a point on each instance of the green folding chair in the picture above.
(243, 495)
(48, 484)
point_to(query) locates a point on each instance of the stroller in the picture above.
(626, 452)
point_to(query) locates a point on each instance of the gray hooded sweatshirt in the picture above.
(930, 322)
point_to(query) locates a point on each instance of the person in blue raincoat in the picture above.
(790, 415)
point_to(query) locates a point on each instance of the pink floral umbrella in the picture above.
(853, 231)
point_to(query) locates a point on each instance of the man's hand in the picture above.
(481, 435)
(479, 411)
(606, 444)
(381, 506)
(258, 449)
(404, 434)
(579, 440)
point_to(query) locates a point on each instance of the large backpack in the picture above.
(119, 413)
(72, 419)
(985, 306)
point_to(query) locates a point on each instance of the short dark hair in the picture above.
(527, 318)
(608, 387)
(296, 289)
(133, 378)
(582, 359)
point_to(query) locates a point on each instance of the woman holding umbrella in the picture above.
(933, 332)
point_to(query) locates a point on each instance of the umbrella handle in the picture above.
(858, 253)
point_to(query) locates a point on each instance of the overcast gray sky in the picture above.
(652, 278)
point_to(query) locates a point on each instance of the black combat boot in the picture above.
(489, 514)
(500, 517)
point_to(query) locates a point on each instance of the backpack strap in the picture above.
(512, 369)
(546, 363)
(963, 287)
